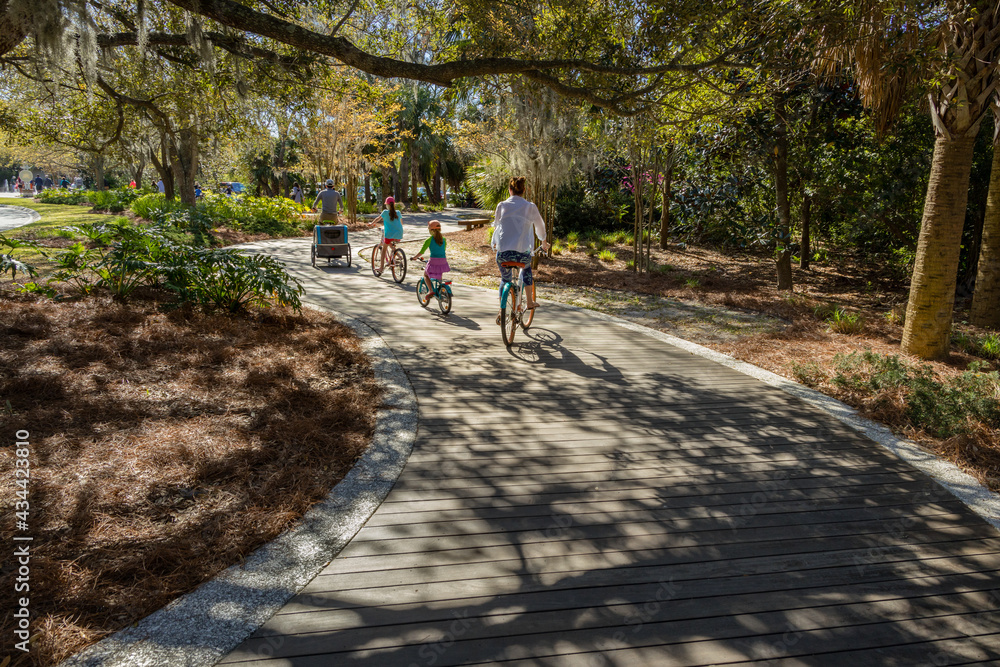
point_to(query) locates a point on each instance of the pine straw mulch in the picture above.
(746, 283)
(165, 446)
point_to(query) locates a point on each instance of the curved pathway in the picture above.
(595, 496)
(12, 216)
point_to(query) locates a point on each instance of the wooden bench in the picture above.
(474, 222)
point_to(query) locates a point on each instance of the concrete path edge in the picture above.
(963, 486)
(200, 628)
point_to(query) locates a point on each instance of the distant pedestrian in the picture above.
(48, 182)
(331, 200)
(161, 187)
(64, 183)
(131, 184)
(197, 191)
(296, 194)
(39, 184)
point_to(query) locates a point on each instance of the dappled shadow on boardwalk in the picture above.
(595, 497)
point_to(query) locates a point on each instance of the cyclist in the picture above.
(438, 264)
(392, 226)
(331, 201)
(516, 223)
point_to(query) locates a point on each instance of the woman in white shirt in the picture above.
(516, 223)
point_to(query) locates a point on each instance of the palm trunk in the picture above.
(784, 259)
(806, 249)
(986, 298)
(932, 287)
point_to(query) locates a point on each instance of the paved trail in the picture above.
(595, 496)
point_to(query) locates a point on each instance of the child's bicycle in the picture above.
(513, 305)
(442, 290)
(397, 260)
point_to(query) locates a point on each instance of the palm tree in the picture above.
(964, 42)
(986, 299)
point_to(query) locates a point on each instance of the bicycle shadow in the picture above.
(544, 348)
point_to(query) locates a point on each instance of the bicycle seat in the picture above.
(519, 265)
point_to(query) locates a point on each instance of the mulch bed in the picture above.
(166, 445)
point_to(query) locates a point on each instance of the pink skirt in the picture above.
(436, 268)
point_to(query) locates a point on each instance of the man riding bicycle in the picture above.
(515, 225)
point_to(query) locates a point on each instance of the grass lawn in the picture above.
(49, 230)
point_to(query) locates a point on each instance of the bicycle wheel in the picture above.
(444, 299)
(526, 315)
(423, 294)
(398, 265)
(508, 316)
(376, 256)
(313, 255)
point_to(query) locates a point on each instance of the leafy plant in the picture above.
(843, 322)
(54, 196)
(606, 256)
(37, 288)
(13, 266)
(73, 267)
(231, 280)
(692, 282)
(942, 408)
(989, 346)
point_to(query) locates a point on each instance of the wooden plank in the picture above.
(551, 515)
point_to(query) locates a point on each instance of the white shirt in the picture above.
(515, 225)
(159, 186)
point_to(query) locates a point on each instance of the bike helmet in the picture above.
(433, 224)
(329, 182)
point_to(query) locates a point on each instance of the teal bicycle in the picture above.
(442, 291)
(513, 304)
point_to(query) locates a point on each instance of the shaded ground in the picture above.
(729, 303)
(165, 446)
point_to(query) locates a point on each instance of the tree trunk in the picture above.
(668, 174)
(784, 233)
(402, 183)
(414, 167)
(368, 187)
(986, 298)
(935, 270)
(806, 250)
(98, 172)
(431, 196)
(13, 28)
(352, 198)
(184, 162)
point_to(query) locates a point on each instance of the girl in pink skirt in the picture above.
(438, 264)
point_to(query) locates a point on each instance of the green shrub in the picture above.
(148, 206)
(53, 196)
(73, 267)
(692, 282)
(230, 280)
(13, 266)
(810, 374)
(606, 256)
(843, 322)
(944, 409)
(989, 346)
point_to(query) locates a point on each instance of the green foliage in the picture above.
(606, 256)
(987, 346)
(810, 374)
(13, 266)
(72, 267)
(230, 280)
(37, 288)
(692, 282)
(150, 205)
(54, 196)
(128, 256)
(115, 201)
(275, 216)
(488, 179)
(844, 322)
(944, 408)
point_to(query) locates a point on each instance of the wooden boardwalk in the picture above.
(595, 496)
